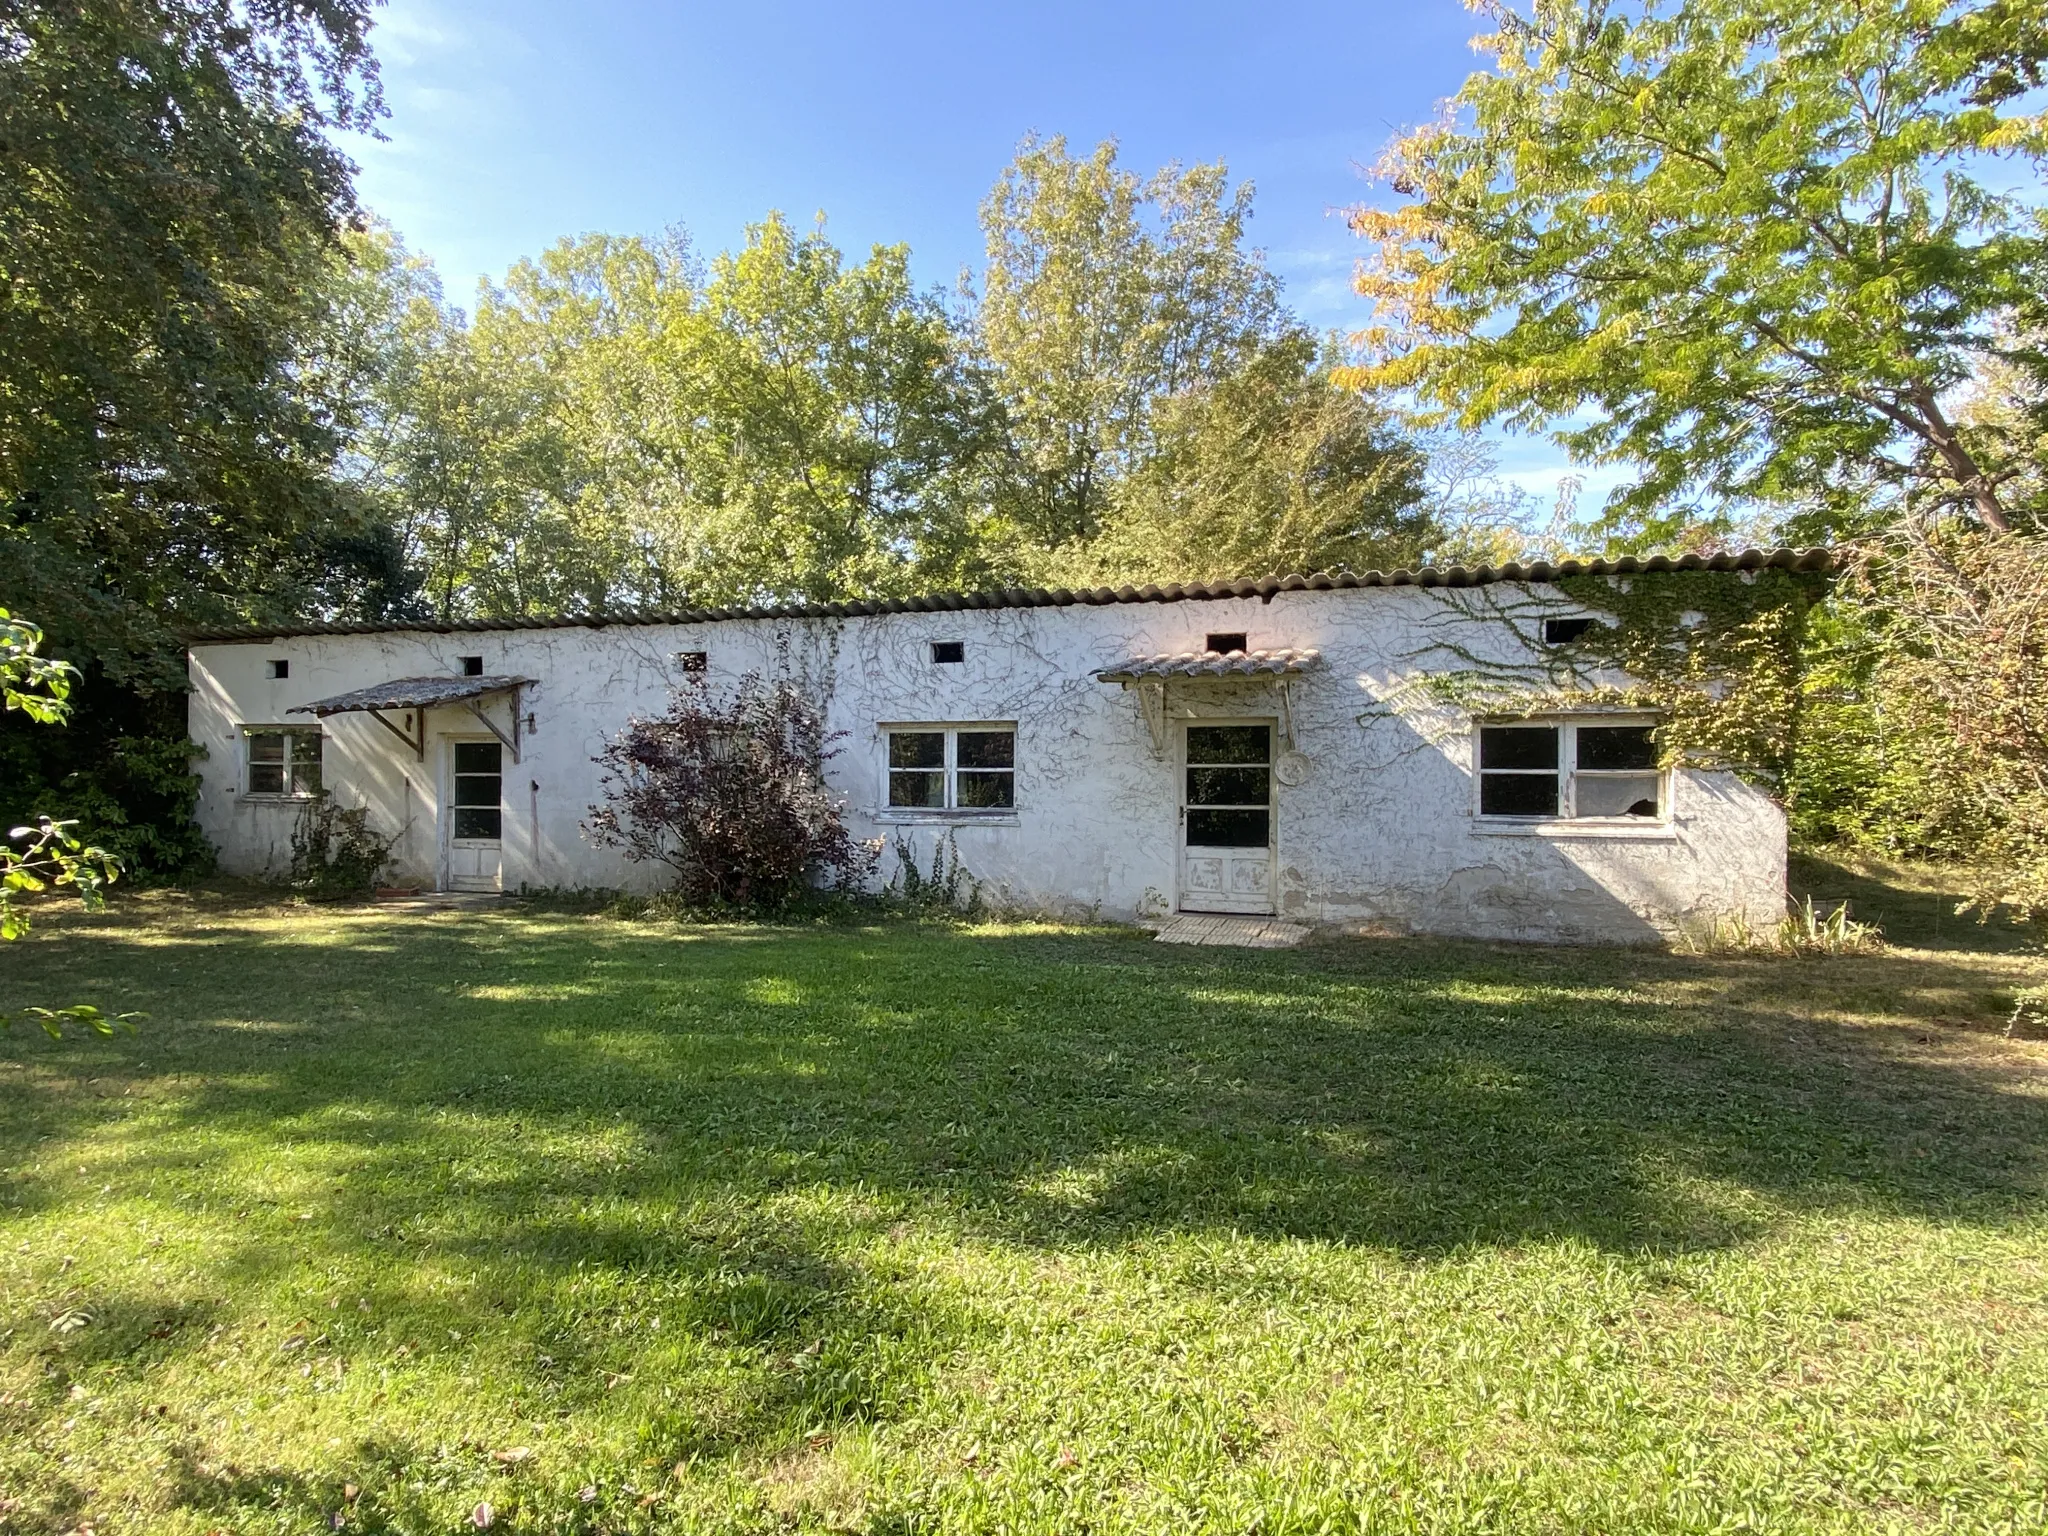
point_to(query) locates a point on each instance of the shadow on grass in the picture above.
(731, 1129)
(1913, 906)
(1052, 1088)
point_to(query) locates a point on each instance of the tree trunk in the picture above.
(1961, 464)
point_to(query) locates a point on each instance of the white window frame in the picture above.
(952, 810)
(292, 734)
(1568, 771)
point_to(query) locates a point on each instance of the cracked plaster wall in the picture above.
(1382, 834)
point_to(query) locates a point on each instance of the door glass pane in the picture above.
(1227, 829)
(917, 749)
(1518, 794)
(1518, 746)
(988, 749)
(1227, 786)
(477, 821)
(1619, 794)
(1616, 747)
(477, 789)
(1229, 744)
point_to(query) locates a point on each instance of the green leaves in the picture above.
(1105, 296)
(50, 855)
(166, 198)
(54, 1020)
(1741, 245)
(619, 426)
(1271, 468)
(37, 685)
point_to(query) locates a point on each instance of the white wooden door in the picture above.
(474, 815)
(1226, 818)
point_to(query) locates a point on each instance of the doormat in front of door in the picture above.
(1241, 932)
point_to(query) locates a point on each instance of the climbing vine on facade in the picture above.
(1716, 654)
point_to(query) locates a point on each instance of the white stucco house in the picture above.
(1236, 747)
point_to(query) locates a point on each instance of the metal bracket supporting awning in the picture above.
(414, 696)
(413, 733)
(1147, 677)
(510, 743)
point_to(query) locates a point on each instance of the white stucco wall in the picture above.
(1383, 833)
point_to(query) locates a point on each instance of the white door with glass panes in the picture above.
(475, 816)
(1226, 818)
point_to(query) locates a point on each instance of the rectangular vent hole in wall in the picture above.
(692, 661)
(278, 668)
(1224, 644)
(472, 666)
(945, 652)
(1564, 631)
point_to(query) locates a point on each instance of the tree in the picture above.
(1271, 468)
(1927, 712)
(619, 426)
(166, 192)
(49, 855)
(844, 426)
(1104, 296)
(1743, 245)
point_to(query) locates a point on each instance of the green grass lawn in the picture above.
(619, 1226)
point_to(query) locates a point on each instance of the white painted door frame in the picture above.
(479, 854)
(1223, 878)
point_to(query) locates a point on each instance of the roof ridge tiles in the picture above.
(1427, 576)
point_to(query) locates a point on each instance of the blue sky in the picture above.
(515, 122)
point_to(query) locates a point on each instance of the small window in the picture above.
(1226, 643)
(948, 652)
(1564, 631)
(692, 661)
(938, 768)
(278, 667)
(1600, 771)
(472, 666)
(282, 764)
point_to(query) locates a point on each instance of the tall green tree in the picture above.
(167, 191)
(1270, 468)
(847, 422)
(619, 426)
(1748, 247)
(1105, 295)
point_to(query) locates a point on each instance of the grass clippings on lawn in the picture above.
(612, 1226)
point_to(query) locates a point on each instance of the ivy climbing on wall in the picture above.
(1716, 654)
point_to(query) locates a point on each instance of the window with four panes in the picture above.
(1569, 769)
(953, 768)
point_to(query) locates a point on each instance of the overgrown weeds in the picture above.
(946, 889)
(1809, 928)
(335, 853)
